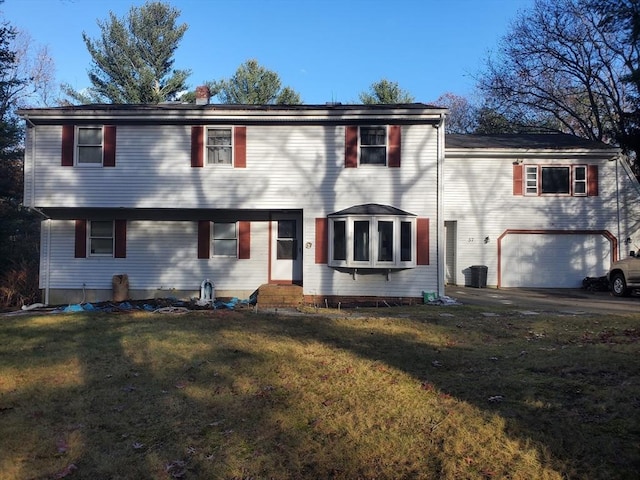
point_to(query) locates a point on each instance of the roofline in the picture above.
(202, 114)
(531, 152)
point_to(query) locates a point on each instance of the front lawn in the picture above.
(404, 392)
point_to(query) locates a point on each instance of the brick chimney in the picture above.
(202, 95)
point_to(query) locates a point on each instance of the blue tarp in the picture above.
(126, 306)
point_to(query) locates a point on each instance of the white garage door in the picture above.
(553, 260)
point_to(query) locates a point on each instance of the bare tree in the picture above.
(35, 65)
(462, 116)
(561, 69)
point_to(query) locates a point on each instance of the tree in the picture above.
(18, 228)
(462, 116)
(624, 16)
(490, 122)
(35, 70)
(385, 91)
(252, 84)
(561, 69)
(132, 60)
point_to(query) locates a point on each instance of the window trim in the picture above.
(361, 146)
(90, 237)
(374, 241)
(531, 188)
(77, 146)
(206, 146)
(236, 238)
(575, 181)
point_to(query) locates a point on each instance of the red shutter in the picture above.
(592, 180)
(68, 132)
(240, 147)
(120, 250)
(394, 145)
(244, 240)
(351, 147)
(109, 159)
(204, 238)
(81, 239)
(517, 179)
(322, 231)
(197, 147)
(422, 241)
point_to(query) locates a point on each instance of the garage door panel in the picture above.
(553, 260)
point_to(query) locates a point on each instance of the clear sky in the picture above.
(326, 50)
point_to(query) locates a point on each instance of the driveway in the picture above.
(550, 300)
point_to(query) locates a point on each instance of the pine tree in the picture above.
(385, 91)
(133, 58)
(253, 84)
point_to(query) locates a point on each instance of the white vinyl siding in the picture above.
(478, 195)
(160, 256)
(298, 168)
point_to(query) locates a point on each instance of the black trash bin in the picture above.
(479, 276)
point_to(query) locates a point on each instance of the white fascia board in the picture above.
(161, 114)
(609, 153)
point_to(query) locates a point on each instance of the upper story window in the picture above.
(101, 238)
(373, 145)
(372, 236)
(89, 146)
(225, 239)
(377, 145)
(219, 146)
(574, 180)
(580, 180)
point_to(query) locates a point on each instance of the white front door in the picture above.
(286, 251)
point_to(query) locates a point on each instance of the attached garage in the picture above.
(553, 259)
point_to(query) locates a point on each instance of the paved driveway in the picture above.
(556, 300)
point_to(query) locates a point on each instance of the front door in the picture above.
(286, 251)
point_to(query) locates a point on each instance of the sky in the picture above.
(326, 50)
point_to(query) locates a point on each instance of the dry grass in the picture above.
(419, 393)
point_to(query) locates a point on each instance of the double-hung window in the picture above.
(89, 146)
(219, 146)
(373, 145)
(101, 238)
(225, 239)
(372, 241)
(580, 180)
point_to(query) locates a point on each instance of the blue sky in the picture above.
(326, 50)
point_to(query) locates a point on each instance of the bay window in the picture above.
(372, 241)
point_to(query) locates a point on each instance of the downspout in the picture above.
(440, 209)
(46, 265)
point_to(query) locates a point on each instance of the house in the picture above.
(350, 202)
(536, 210)
(344, 200)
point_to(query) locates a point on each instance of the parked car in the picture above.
(624, 275)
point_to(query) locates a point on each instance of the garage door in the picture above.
(548, 260)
